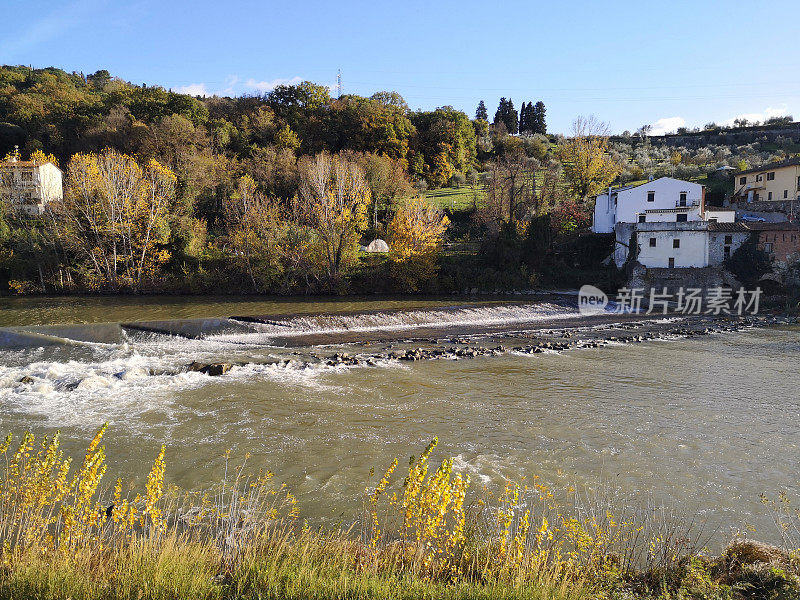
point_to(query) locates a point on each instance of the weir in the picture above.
(289, 329)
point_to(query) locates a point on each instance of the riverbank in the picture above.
(62, 536)
(683, 412)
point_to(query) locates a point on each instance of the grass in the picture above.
(455, 199)
(61, 537)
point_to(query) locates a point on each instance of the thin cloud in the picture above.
(201, 89)
(193, 89)
(667, 125)
(268, 86)
(768, 112)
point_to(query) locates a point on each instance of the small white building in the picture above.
(664, 199)
(664, 223)
(687, 245)
(27, 186)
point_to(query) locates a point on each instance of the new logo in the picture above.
(591, 300)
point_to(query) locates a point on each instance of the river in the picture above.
(703, 425)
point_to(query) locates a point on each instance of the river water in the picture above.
(702, 425)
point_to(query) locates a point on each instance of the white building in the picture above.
(687, 245)
(27, 186)
(664, 222)
(664, 199)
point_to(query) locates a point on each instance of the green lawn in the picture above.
(454, 198)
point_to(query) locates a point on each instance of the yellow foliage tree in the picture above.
(415, 235)
(587, 164)
(441, 169)
(252, 221)
(114, 216)
(286, 138)
(41, 157)
(333, 199)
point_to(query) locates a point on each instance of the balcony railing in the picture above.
(686, 203)
(747, 187)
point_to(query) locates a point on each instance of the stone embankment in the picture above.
(539, 341)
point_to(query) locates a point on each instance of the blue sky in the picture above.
(627, 62)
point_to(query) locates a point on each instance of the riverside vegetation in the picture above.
(274, 193)
(64, 535)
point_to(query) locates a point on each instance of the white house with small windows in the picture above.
(663, 222)
(659, 200)
(27, 186)
(693, 244)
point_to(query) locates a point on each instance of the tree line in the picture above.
(271, 192)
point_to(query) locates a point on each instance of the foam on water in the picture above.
(403, 320)
(66, 385)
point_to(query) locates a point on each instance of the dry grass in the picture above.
(419, 538)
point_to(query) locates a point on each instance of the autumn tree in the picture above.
(675, 159)
(300, 106)
(511, 195)
(275, 171)
(113, 217)
(286, 138)
(387, 180)
(378, 124)
(446, 141)
(415, 237)
(333, 199)
(587, 164)
(570, 216)
(252, 221)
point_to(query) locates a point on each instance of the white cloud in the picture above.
(268, 86)
(201, 89)
(193, 89)
(768, 112)
(667, 125)
(233, 86)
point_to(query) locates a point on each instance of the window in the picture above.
(652, 242)
(771, 176)
(682, 201)
(759, 177)
(651, 196)
(728, 239)
(682, 217)
(676, 243)
(755, 197)
(768, 248)
(712, 219)
(742, 180)
(642, 218)
(798, 182)
(27, 175)
(726, 252)
(671, 263)
(785, 193)
(769, 195)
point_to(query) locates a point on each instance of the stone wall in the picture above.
(674, 279)
(773, 211)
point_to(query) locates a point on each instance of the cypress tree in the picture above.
(502, 109)
(512, 120)
(523, 118)
(539, 122)
(481, 114)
